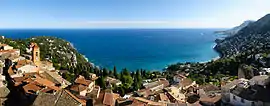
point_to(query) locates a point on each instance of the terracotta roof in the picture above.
(99, 100)
(28, 80)
(9, 51)
(3, 45)
(10, 71)
(138, 103)
(61, 98)
(214, 99)
(18, 79)
(45, 90)
(24, 62)
(116, 96)
(78, 88)
(31, 88)
(186, 82)
(18, 66)
(164, 82)
(209, 87)
(82, 80)
(109, 99)
(46, 82)
(144, 92)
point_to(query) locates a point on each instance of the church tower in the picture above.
(35, 53)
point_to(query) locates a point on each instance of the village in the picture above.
(28, 81)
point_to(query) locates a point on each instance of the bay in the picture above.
(151, 49)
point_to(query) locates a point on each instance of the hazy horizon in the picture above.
(138, 14)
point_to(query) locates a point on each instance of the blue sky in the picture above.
(129, 13)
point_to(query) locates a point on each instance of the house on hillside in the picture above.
(210, 95)
(242, 92)
(82, 86)
(178, 78)
(114, 81)
(106, 98)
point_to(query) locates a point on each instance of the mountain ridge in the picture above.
(255, 35)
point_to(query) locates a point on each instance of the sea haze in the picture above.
(151, 49)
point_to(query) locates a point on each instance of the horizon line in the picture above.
(128, 28)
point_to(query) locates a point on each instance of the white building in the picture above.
(113, 81)
(27, 69)
(244, 92)
(178, 78)
(5, 47)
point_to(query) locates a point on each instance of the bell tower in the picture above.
(35, 53)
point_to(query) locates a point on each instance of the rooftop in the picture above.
(185, 82)
(149, 102)
(78, 88)
(31, 88)
(46, 83)
(260, 78)
(209, 87)
(112, 80)
(82, 80)
(61, 98)
(253, 93)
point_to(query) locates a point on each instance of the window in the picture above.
(243, 100)
(37, 54)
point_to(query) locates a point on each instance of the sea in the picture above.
(150, 49)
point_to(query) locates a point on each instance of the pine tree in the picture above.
(91, 70)
(101, 82)
(115, 74)
(105, 72)
(110, 73)
(126, 72)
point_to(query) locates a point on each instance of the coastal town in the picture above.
(26, 80)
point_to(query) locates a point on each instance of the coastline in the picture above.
(162, 54)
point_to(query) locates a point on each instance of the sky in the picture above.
(129, 13)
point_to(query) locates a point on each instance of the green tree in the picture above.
(111, 73)
(105, 72)
(91, 70)
(135, 85)
(127, 81)
(126, 72)
(101, 82)
(115, 73)
(121, 91)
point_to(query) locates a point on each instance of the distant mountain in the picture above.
(253, 37)
(234, 30)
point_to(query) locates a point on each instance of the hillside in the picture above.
(255, 36)
(59, 51)
(235, 30)
(246, 53)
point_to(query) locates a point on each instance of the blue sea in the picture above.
(151, 49)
